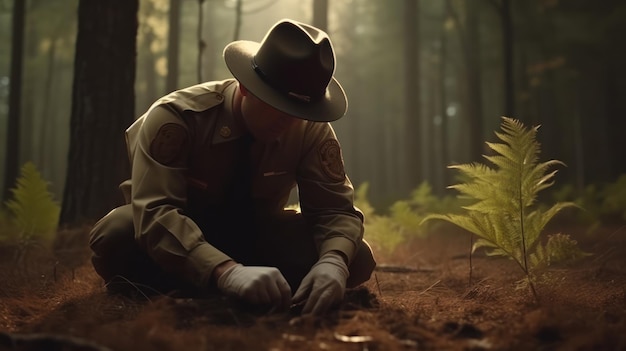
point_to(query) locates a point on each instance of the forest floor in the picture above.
(55, 301)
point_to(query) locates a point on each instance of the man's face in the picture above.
(262, 120)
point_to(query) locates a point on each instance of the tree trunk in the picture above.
(443, 175)
(507, 53)
(211, 42)
(320, 14)
(615, 114)
(173, 46)
(413, 123)
(11, 165)
(45, 147)
(238, 16)
(102, 108)
(150, 76)
(201, 43)
(473, 72)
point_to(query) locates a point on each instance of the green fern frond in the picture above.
(462, 221)
(383, 233)
(361, 201)
(423, 195)
(478, 187)
(539, 258)
(614, 198)
(561, 248)
(34, 212)
(501, 214)
(537, 220)
(404, 215)
(386, 232)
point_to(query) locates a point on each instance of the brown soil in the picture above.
(423, 301)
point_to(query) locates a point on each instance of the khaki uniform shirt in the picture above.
(184, 144)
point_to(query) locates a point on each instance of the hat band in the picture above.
(273, 84)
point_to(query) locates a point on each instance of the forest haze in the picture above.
(427, 80)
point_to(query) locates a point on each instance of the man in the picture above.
(213, 166)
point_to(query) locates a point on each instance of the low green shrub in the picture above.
(402, 222)
(31, 215)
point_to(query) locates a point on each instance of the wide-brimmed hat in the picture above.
(291, 70)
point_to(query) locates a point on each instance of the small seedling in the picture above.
(504, 213)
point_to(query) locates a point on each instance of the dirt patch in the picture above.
(422, 298)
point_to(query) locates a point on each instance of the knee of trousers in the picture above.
(114, 233)
(362, 265)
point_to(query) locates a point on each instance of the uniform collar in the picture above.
(226, 129)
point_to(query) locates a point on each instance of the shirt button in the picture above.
(225, 132)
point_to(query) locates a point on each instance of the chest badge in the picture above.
(225, 132)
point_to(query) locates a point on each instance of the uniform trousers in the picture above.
(282, 241)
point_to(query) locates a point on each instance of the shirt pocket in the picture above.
(271, 188)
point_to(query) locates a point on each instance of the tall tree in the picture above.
(320, 14)
(173, 46)
(201, 42)
(473, 74)
(413, 121)
(102, 107)
(148, 37)
(441, 177)
(469, 37)
(238, 19)
(43, 134)
(504, 9)
(11, 166)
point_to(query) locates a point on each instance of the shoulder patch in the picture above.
(331, 160)
(170, 144)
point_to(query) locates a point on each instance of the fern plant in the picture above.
(403, 218)
(382, 233)
(615, 198)
(33, 212)
(503, 214)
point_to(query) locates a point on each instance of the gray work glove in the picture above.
(257, 285)
(324, 285)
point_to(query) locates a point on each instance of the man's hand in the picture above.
(257, 285)
(324, 285)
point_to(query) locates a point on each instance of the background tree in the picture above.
(147, 46)
(152, 52)
(47, 60)
(238, 19)
(173, 46)
(320, 14)
(417, 146)
(508, 42)
(469, 38)
(103, 107)
(15, 99)
(442, 178)
(201, 42)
